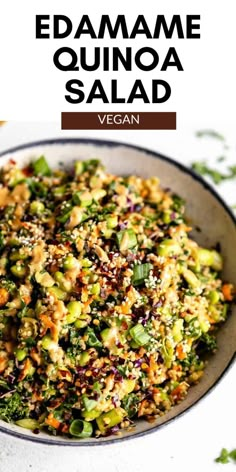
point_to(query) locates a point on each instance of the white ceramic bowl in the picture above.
(206, 211)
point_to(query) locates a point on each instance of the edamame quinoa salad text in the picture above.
(107, 306)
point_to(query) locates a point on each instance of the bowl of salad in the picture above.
(117, 289)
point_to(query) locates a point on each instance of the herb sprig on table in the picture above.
(217, 177)
(203, 168)
(209, 133)
(226, 456)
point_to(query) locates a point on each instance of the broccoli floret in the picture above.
(12, 408)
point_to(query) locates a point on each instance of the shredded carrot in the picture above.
(51, 421)
(49, 324)
(180, 391)
(227, 291)
(211, 320)
(180, 354)
(25, 224)
(4, 296)
(88, 302)
(177, 368)
(46, 321)
(3, 363)
(125, 308)
(26, 299)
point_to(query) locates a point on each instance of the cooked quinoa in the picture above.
(107, 306)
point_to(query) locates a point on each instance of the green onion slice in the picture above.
(140, 273)
(139, 335)
(81, 429)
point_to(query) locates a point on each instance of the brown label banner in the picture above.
(116, 120)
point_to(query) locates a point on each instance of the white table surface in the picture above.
(191, 442)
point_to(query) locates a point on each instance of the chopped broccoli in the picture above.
(12, 408)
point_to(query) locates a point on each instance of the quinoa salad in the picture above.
(107, 306)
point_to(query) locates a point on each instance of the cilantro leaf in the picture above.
(232, 455)
(223, 457)
(209, 133)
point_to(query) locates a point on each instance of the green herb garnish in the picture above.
(11, 407)
(41, 167)
(209, 133)
(225, 456)
(141, 273)
(202, 168)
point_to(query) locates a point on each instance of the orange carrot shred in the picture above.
(227, 291)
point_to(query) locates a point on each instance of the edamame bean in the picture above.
(20, 354)
(36, 207)
(18, 270)
(69, 262)
(168, 247)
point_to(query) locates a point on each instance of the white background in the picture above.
(32, 90)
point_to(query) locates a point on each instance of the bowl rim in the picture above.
(112, 143)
